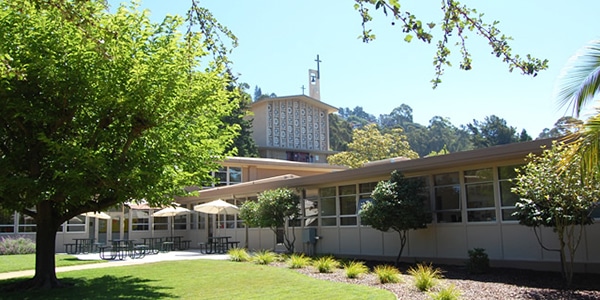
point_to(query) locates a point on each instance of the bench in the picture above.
(71, 248)
(167, 246)
(103, 249)
(184, 245)
(139, 251)
(233, 244)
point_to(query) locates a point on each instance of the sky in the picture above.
(280, 40)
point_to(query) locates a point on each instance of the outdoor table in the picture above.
(218, 244)
(122, 248)
(83, 245)
(176, 240)
(154, 244)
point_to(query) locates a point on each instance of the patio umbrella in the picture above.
(99, 215)
(217, 207)
(172, 211)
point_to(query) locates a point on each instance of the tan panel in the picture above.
(451, 242)
(486, 236)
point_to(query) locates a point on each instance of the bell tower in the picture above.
(314, 78)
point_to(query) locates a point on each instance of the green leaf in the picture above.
(408, 38)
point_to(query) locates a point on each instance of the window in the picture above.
(235, 175)
(348, 205)
(508, 199)
(364, 196)
(140, 219)
(479, 186)
(447, 197)
(228, 221)
(328, 206)
(180, 222)
(311, 211)
(161, 223)
(76, 224)
(7, 222)
(26, 223)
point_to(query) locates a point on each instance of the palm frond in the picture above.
(579, 81)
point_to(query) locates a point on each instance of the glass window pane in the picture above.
(367, 188)
(447, 198)
(481, 215)
(7, 222)
(328, 222)
(328, 207)
(348, 221)
(348, 205)
(480, 175)
(327, 192)
(480, 195)
(235, 175)
(507, 172)
(507, 197)
(507, 214)
(446, 179)
(348, 190)
(449, 217)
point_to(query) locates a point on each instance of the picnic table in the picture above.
(81, 245)
(154, 244)
(219, 244)
(121, 249)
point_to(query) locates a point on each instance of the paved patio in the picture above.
(167, 256)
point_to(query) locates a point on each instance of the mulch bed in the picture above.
(498, 283)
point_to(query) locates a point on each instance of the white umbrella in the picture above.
(99, 215)
(171, 211)
(217, 207)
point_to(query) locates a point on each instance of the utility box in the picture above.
(309, 235)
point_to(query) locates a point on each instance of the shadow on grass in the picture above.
(105, 287)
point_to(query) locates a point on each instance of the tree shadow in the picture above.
(105, 287)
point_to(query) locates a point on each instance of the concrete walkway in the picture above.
(172, 255)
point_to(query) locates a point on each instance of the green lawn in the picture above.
(198, 279)
(10, 263)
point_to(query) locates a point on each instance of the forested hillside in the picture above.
(440, 135)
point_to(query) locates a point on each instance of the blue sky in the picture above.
(279, 41)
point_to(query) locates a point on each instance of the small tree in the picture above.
(274, 209)
(553, 196)
(398, 204)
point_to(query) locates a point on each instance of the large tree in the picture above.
(457, 21)
(398, 204)
(368, 144)
(557, 198)
(494, 131)
(274, 209)
(99, 108)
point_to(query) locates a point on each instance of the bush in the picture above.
(387, 274)
(297, 261)
(16, 245)
(425, 276)
(449, 293)
(355, 268)
(238, 254)
(478, 261)
(326, 264)
(264, 257)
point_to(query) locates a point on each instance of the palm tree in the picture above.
(579, 83)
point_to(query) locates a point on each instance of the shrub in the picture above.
(387, 274)
(425, 276)
(478, 261)
(16, 245)
(355, 268)
(326, 264)
(238, 254)
(264, 257)
(297, 261)
(448, 293)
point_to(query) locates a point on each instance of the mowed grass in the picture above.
(198, 279)
(10, 263)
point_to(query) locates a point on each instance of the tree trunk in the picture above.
(45, 265)
(402, 244)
